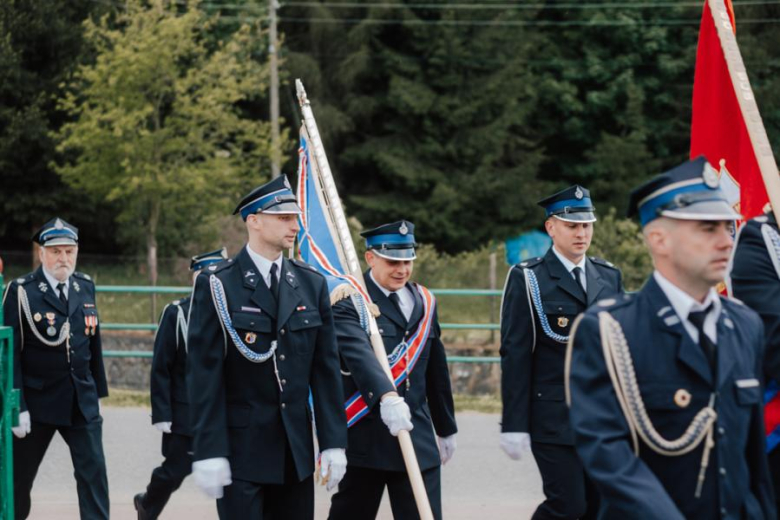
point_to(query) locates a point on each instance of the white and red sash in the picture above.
(402, 359)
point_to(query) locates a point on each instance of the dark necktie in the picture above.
(63, 298)
(707, 346)
(578, 276)
(274, 281)
(396, 301)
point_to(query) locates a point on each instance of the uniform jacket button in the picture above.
(284, 405)
(281, 332)
(284, 381)
(370, 395)
(723, 471)
(281, 357)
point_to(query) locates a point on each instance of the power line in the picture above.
(517, 23)
(518, 6)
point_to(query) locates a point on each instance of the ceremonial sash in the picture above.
(402, 359)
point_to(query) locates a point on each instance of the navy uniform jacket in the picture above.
(666, 360)
(49, 381)
(170, 402)
(756, 281)
(236, 407)
(429, 395)
(532, 386)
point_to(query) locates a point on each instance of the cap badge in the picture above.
(563, 321)
(682, 398)
(403, 229)
(58, 224)
(578, 193)
(710, 176)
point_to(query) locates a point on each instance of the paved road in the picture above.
(479, 483)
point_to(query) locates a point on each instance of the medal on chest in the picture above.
(50, 330)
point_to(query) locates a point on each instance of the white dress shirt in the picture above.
(264, 265)
(684, 304)
(53, 283)
(569, 265)
(404, 296)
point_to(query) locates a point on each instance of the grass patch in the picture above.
(119, 397)
(477, 403)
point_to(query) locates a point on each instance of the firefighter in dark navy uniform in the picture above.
(542, 297)
(422, 404)
(170, 403)
(665, 384)
(260, 338)
(755, 279)
(58, 368)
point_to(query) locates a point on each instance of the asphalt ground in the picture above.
(480, 482)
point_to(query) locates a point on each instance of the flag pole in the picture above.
(337, 222)
(747, 103)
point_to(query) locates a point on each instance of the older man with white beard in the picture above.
(58, 369)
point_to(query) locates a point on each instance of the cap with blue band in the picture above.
(57, 232)
(274, 197)
(572, 205)
(690, 191)
(393, 241)
(206, 259)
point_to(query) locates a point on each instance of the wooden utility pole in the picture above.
(276, 166)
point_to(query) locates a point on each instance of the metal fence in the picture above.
(8, 417)
(138, 289)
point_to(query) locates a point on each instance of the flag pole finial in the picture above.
(303, 100)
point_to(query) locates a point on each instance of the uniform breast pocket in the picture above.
(386, 328)
(560, 315)
(303, 325)
(748, 391)
(254, 329)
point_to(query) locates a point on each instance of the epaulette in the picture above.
(732, 299)
(531, 262)
(219, 266)
(83, 276)
(761, 219)
(301, 263)
(608, 304)
(601, 261)
(25, 279)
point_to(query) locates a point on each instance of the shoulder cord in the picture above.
(220, 304)
(620, 366)
(181, 326)
(64, 337)
(362, 310)
(530, 306)
(535, 295)
(772, 241)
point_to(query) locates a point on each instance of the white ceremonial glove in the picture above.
(447, 447)
(395, 414)
(24, 427)
(211, 475)
(333, 467)
(515, 444)
(164, 427)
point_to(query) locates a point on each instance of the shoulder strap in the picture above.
(772, 242)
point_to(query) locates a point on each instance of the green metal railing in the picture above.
(8, 417)
(186, 290)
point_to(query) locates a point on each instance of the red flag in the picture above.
(718, 129)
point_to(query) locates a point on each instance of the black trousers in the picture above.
(251, 501)
(774, 470)
(360, 494)
(85, 441)
(569, 493)
(177, 450)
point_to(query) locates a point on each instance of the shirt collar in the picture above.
(682, 302)
(53, 282)
(263, 264)
(568, 264)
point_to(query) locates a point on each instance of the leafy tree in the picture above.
(159, 121)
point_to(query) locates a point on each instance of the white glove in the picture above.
(333, 467)
(515, 444)
(24, 427)
(211, 475)
(164, 427)
(447, 447)
(395, 414)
